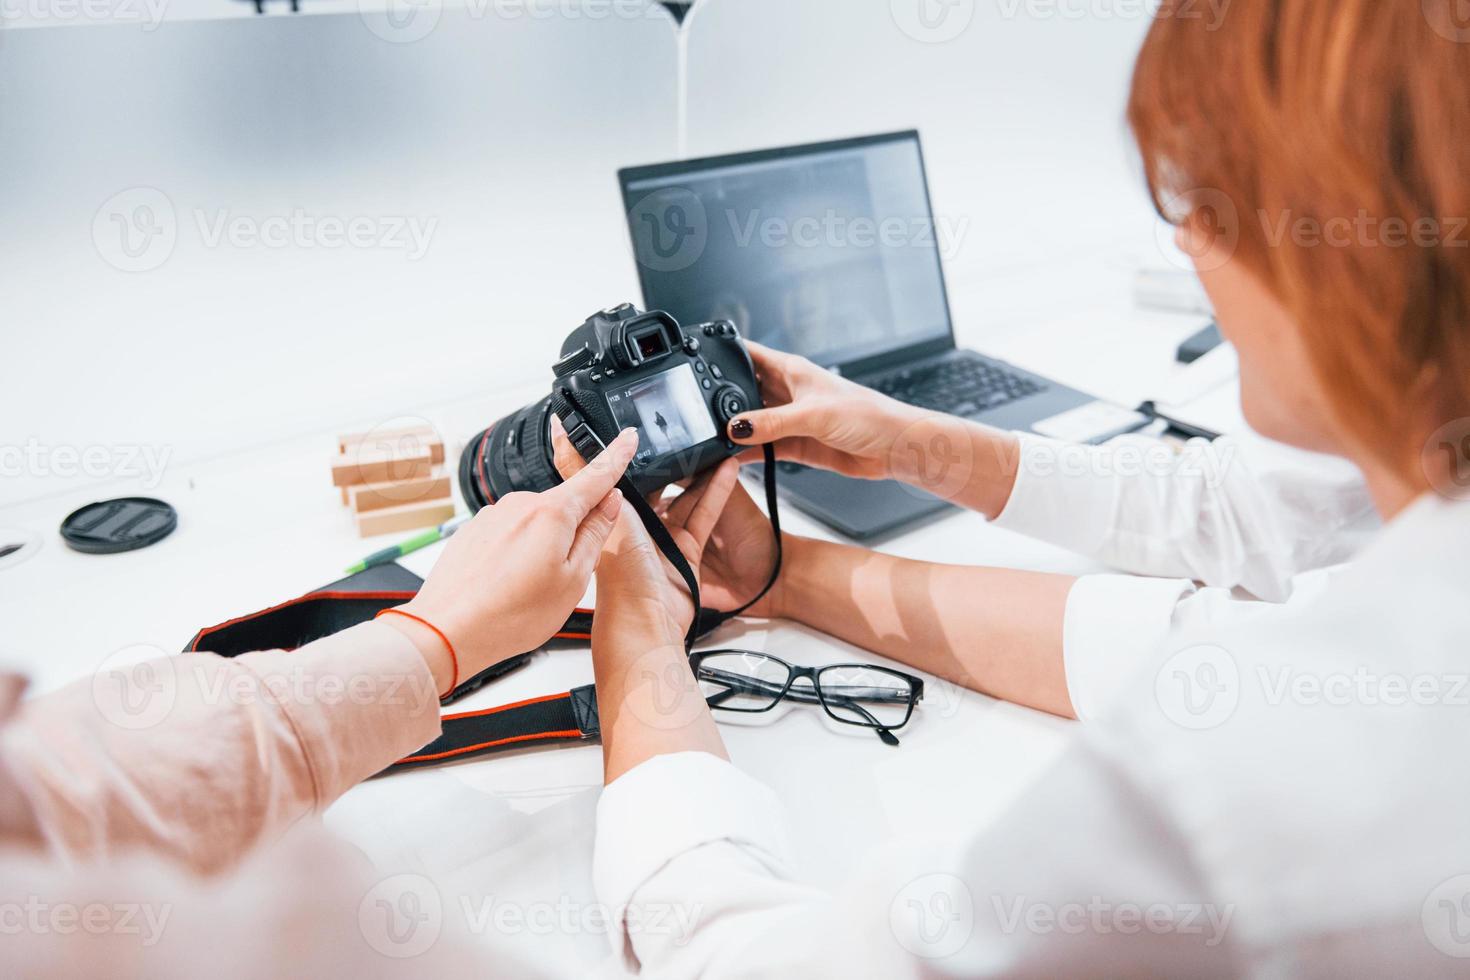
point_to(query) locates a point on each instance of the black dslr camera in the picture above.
(680, 388)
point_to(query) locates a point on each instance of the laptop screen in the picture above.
(828, 251)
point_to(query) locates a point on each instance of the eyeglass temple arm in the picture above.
(754, 685)
(743, 684)
(884, 734)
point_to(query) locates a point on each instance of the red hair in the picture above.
(1335, 137)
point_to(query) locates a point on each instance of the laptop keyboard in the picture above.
(959, 386)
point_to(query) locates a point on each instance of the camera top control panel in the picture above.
(680, 388)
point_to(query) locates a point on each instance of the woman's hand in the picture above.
(632, 571)
(739, 558)
(819, 419)
(648, 701)
(509, 578)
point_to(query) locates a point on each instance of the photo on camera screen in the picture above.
(669, 411)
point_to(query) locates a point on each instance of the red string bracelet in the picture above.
(453, 657)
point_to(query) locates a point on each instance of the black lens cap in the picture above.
(125, 524)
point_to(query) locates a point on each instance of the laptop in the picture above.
(831, 251)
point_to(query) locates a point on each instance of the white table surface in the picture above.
(260, 526)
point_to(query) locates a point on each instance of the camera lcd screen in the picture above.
(668, 410)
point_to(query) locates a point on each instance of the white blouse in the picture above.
(1279, 790)
(1223, 530)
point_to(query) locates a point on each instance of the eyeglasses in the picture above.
(854, 694)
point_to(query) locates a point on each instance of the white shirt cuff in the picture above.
(1061, 495)
(672, 804)
(1111, 625)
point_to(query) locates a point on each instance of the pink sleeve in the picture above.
(307, 906)
(199, 758)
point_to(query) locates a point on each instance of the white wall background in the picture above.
(1021, 111)
(499, 136)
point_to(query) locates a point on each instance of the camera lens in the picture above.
(513, 454)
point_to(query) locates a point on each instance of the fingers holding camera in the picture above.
(762, 425)
(564, 455)
(586, 484)
(737, 549)
(593, 532)
(497, 591)
(589, 492)
(776, 370)
(630, 564)
(849, 435)
(794, 391)
(697, 510)
(812, 416)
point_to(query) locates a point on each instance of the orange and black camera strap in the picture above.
(568, 716)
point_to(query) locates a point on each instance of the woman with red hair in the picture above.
(1275, 796)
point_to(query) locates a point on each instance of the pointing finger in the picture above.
(589, 484)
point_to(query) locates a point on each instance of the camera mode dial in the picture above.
(578, 359)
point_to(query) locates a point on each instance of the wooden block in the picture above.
(357, 467)
(376, 496)
(346, 442)
(400, 441)
(407, 517)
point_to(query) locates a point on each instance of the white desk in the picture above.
(261, 526)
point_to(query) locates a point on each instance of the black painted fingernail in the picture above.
(742, 429)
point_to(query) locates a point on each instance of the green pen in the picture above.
(413, 544)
